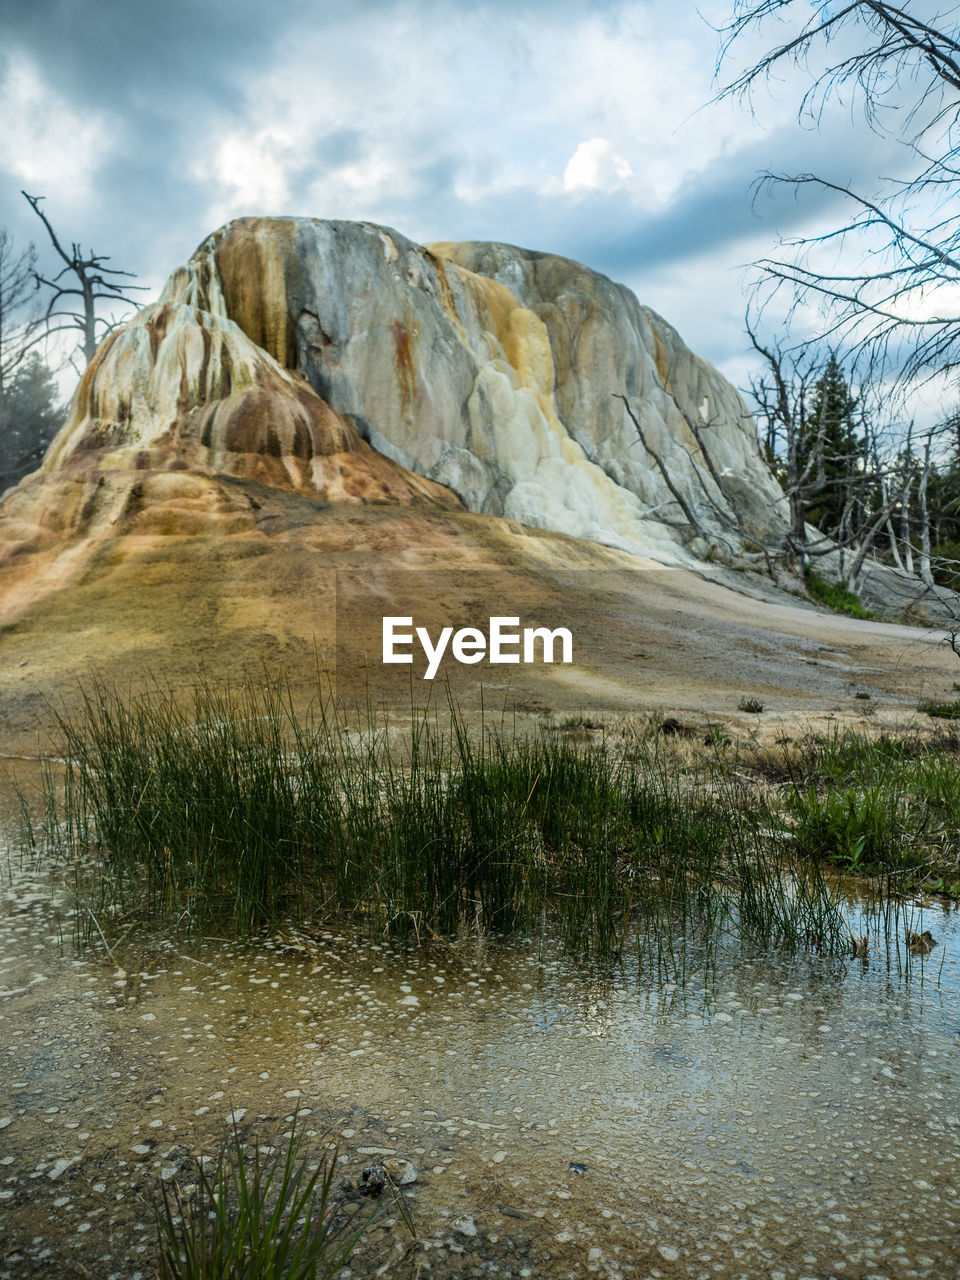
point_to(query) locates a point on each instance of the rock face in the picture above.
(345, 363)
(181, 388)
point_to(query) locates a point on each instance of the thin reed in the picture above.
(233, 810)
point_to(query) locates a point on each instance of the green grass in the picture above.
(872, 804)
(235, 813)
(939, 710)
(255, 1217)
(857, 829)
(835, 596)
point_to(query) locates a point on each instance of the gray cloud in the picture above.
(169, 80)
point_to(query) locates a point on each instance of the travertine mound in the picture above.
(181, 388)
(286, 348)
(318, 423)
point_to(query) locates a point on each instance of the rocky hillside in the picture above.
(348, 364)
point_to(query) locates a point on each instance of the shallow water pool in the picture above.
(775, 1118)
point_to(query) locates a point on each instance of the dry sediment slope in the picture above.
(307, 397)
(646, 638)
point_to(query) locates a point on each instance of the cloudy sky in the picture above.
(584, 128)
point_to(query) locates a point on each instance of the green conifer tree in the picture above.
(830, 434)
(30, 416)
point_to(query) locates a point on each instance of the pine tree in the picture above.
(830, 436)
(30, 417)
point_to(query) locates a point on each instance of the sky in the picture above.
(585, 129)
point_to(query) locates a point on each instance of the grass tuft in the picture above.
(940, 710)
(857, 829)
(256, 1217)
(835, 596)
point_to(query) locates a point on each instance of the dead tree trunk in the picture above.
(75, 290)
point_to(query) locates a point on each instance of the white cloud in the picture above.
(449, 118)
(590, 134)
(505, 107)
(45, 141)
(598, 166)
(250, 170)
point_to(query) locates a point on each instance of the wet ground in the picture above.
(780, 1119)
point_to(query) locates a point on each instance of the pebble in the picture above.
(402, 1172)
(61, 1166)
(372, 1180)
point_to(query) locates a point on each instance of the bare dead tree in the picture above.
(79, 286)
(870, 309)
(904, 68)
(925, 568)
(722, 508)
(780, 399)
(892, 45)
(661, 466)
(860, 537)
(17, 318)
(867, 487)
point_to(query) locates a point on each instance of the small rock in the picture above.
(921, 944)
(466, 1226)
(373, 1179)
(401, 1172)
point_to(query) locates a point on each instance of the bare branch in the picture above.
(895, 250)
(90, 283)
